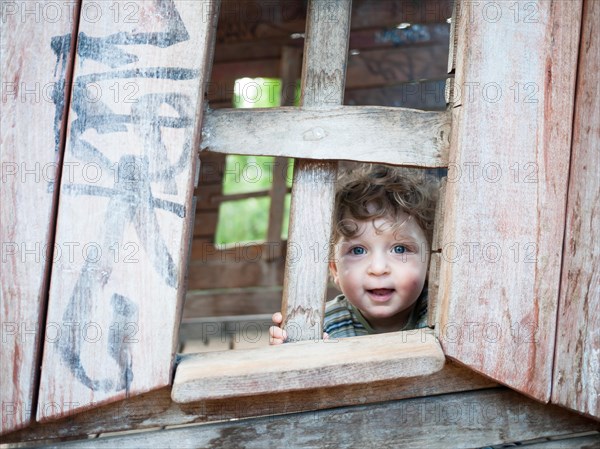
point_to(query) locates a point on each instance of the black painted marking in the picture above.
(131, 201)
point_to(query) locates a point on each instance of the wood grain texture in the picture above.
(359, 133)
(506, 192)
(36, 57)
(475, 419)
(577, 365)
(115, 304)
(306, 364)
(157, 409)
(322, 87)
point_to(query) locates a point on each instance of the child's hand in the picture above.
(276, 334)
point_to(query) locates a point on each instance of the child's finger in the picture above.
(277, 318)
(325, 336)
(277, 335)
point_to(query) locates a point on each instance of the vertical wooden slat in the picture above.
(506, 191)
(36, 59)
(126, 204)
(313, 190)
(577, 357)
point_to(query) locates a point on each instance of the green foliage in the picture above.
(247, 220)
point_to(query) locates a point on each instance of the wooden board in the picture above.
(322, 87)
(577, 366)
(307, 364)
(424, 95)
(476, 419)
(358, 133)
(157, 409)
(36, 58)
(506, 192)
(115, 304)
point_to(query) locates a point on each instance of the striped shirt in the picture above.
(342, 319)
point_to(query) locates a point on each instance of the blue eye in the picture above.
(357, 250)
(399, 249)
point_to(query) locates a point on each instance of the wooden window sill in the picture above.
(306, 365)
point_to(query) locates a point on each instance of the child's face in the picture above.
(382, 270)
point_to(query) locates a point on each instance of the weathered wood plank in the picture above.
(157, 409)
(307, 364)
(205, 222)
(222, 327)
(236, 301)
(425, 95)
(506, 191)
(577, 365)
(475, 419)
(36, 57)
(115, 304)
(254, 270)
(582, 442)
(322, 87)
(358, 133)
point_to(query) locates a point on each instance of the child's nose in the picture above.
(379, 265)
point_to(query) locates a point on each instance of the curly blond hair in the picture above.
(380, 191)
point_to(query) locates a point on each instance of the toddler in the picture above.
(383, 224)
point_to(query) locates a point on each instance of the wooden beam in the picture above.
(323, 77)
(358, 133)
(475, 419)
(115, 305)
(577, 365)
(157, 409)
(307, 364)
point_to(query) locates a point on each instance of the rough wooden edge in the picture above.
(473, 419)
(388, 135)
(157, 409)
(307, 364)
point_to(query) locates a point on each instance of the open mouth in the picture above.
(381, 294)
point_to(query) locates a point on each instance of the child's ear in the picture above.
(334, 273)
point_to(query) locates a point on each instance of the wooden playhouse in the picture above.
(116, 122)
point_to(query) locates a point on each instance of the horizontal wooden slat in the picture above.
(235, 301)
(157, 408)
(205, 222)
(307, 364)
(369, 69)
(475, 419)
(244, 273)
(427, 95)
(369, 134)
